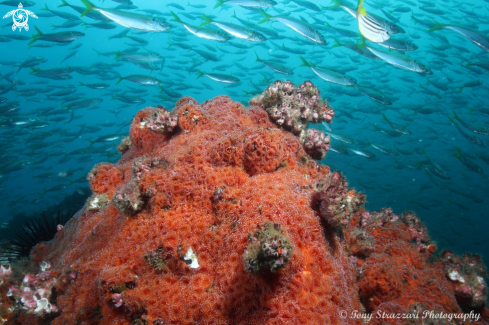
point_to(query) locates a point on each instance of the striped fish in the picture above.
(369, 27)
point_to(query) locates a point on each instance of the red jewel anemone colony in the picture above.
(219, 214)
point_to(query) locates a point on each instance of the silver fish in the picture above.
(129, 19)
(328, 75)
(203, 32)
(298, 25)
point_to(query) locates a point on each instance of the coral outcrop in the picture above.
(217, 214)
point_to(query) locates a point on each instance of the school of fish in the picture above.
(406, 78)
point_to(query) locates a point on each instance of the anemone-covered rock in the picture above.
(268, 249)
(336, 202)
(293, 108)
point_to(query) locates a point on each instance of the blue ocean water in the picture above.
(428, 133)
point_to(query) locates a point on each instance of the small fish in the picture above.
(67, 24)
(474, 36)
(471, 126)
(32, 62)
(399, 60)
(328, 75)
(105, 138)
(436, 169)
(55, 188)
(128, 99)
(396, 127)
(72, 53)
(307, 4)
(399, 45)
(101, 25)
(384, 149)
(248, 3)
(129, 19)
(15, 3)
(139, 56)
(61, 14)
(84, 103)
(467, 162)
(275, 66)
(471, 84)
(206, 55)
(297, 25)
(469, 136)
(374, 94)
(235, 30)
(140, 79)
(224, 78)
(369, 27)
(389, 132)
(203, 32)
(94, 86)
(340, 137)
(60, 37)
(362, 152)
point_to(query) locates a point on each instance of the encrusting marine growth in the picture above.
(218, 214)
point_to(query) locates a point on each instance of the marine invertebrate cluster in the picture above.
(227, 220)
(293, 108)
(337, 203)
(34, 295)
(268, 249)
(466, 273)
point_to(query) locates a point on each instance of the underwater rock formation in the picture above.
(207, 189)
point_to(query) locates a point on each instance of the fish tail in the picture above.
(471, 110)
(35, 36)
(81, 83)
(89, 7)
(266, 17)
(336, 43)
(200, 73)
(455, 116)
(45, 7)
(207, 20)
(305, 63)
(360, 9)
(63, 4)
(219, 3)
(234, 15)
(120, 79)
(436, 27)
(91, 143)
(84, 24)
(460, 89)
(451, 119)
(458, 153)
(336, 4)
(362, 44)
(385, 118)
(118, 55)
(257, 57)
(176, 19)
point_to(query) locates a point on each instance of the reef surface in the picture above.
(219, 214)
